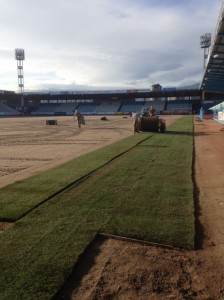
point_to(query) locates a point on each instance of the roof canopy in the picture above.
(213, 79)
(219, 107)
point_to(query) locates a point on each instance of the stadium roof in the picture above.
(213, 79)
(218, 107)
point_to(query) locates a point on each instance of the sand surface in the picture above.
(113, 269)
(28, 146)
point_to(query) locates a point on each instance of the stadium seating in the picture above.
(107, 108)
(65, 108)
(46, 109)
(158, 105)
(131, 107)
(7, 111)
(179, 106)
(88, 109)
(112, 107)
(55, 109)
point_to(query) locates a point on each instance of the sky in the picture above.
(104, 44)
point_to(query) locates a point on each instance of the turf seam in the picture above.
(75, 183)
(139, 241)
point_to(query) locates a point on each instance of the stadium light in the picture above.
(205, 42)
(20, 57)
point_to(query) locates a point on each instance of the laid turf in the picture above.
(147, 193)
(159, 203)
(18, 198)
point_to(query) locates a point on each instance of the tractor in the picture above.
(149, 121)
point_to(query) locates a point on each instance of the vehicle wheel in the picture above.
(162, 127)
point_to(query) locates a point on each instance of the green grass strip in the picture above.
(159, 203)
(146, 193)
(18, 198)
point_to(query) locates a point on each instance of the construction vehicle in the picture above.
(149, 121)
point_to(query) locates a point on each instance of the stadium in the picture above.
(102, 211)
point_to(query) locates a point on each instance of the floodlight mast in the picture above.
(206, 40)
(20, 57)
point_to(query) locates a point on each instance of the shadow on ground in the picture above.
(80, 269)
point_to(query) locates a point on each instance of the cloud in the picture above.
(99, 43)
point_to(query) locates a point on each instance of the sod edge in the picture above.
(20, 198)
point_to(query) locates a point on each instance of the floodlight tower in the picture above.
(206, 40)
(20, 57)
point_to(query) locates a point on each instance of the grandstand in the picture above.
(88, 109)
(57, 108)
(175, 101)
(158, 105)
(46, 109)
(131, 107)
(5, 110)
(65, 109)
(179, 106)
(108, 108)
(100, 108)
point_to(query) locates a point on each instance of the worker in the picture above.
(75, 115)
(79, 118)
(137, 123)
(152, 111)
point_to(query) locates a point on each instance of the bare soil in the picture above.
(28, 145)
(113, 269)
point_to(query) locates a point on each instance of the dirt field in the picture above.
(28, 146)
(112, 269)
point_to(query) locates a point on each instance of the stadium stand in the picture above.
(158, 105)
(46, 109)
(179, 106)
(131, 107)
(108, 108)
(139, 106)
(87, 109)
(5, 110)
(65, 109)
